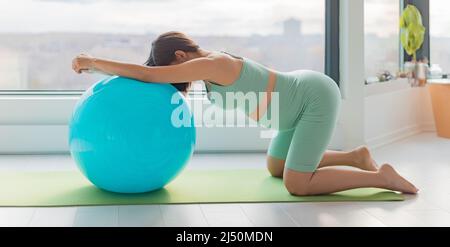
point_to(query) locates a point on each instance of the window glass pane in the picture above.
(440, 34)
(381, 29)
(38, 38)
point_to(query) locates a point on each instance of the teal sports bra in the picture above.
(243, 93)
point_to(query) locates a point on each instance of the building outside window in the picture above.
(38, 38)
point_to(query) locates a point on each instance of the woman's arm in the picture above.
(196, 69)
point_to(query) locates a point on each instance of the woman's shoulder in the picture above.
(227, 69)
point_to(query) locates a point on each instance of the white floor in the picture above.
(424, 159)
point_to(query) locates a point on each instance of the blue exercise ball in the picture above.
(128, 136)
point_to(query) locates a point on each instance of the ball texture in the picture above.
(128, 136)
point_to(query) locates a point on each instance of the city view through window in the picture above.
(381, 36)
(38, 38)
(440, 34)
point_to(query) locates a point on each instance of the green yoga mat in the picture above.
(192, 186)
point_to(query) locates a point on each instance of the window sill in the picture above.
(386, 87)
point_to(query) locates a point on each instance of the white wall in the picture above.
(39, 124)
(375, 114)
(394, 111)
(352, 73)
(391, 111)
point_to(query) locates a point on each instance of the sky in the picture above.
(195, 17)
(440, 18)
(381, 15)
(200, 17)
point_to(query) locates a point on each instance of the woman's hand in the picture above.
(83, 63)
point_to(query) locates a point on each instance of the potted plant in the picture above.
(412, 34)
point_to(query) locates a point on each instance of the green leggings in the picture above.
(308, 109)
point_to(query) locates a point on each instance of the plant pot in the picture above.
(440, 100)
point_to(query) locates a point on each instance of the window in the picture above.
(38, 38)
(381, 29)
(439, 34)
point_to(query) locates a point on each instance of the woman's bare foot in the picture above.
(364, 159)
(396, 182)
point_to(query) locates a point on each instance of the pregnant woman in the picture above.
(308, 109)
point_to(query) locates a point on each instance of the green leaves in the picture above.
(411, 30)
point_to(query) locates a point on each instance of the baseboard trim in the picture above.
(399, 134)
(429, 127)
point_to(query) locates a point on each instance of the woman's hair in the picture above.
(163, 52)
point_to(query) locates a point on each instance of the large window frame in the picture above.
(332, 40)
(33, 115)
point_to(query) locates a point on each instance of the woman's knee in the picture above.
(297, 183)
(275, 166)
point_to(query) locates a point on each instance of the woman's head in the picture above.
(172, 48)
